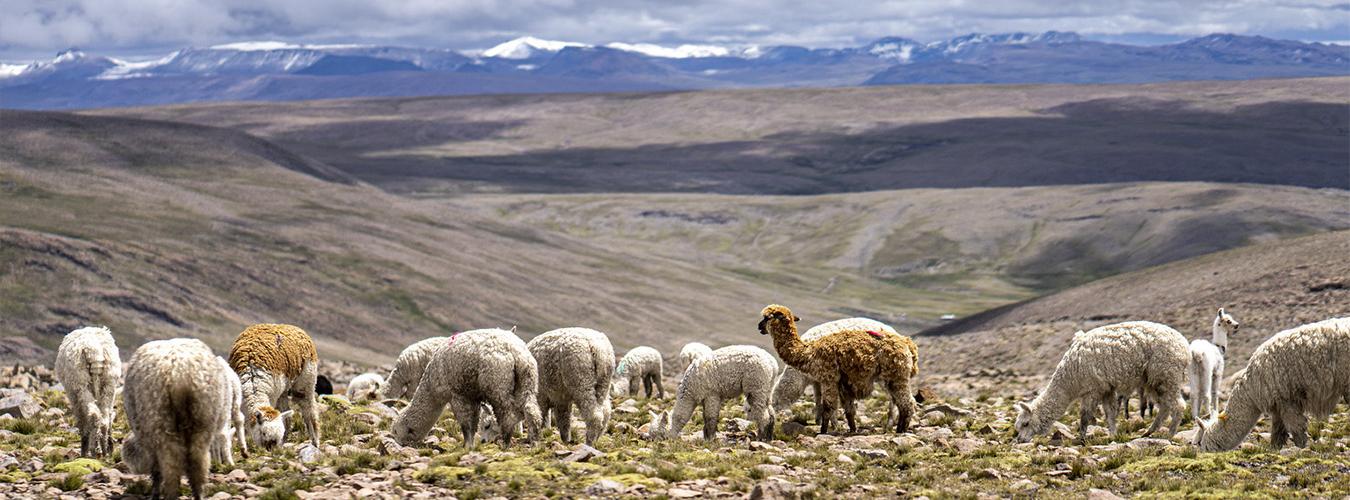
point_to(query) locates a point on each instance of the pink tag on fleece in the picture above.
(875, 333)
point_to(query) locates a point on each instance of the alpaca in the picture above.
(574, 368)
(725, 374)
(1207, 365)
(792, 382)
(1103, 361)
(175, 401)
(90, 369)
(845, 365)
(691, 352)
(1298, 372)
(402, 382)
(275, 361)
(643, 364)
(365, 387)
(490, 366)
(234, 425)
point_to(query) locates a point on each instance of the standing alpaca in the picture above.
(89, 367)
(725, 374)
(792, 382)
(1103, 361)
(1298, 372)
(175, 404)
(845, 365)
(490, 366)
(574, 368)
(640, 364)
(276, 361)
(365, 387)
(234, 425)
(1207, 365)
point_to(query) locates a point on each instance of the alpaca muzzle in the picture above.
(762, 329)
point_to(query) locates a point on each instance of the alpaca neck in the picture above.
(1219, 337)
(420, 415)
(679, 416)
(1050, 404)
(257, 388)
(789, 346)
(1241, 413)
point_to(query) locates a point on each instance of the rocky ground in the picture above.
(959, 447)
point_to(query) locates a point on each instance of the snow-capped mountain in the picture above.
(286, 71)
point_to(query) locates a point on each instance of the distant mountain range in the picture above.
(282, 71)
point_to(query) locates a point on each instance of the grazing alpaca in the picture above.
(845, 365)
(1103, 361)
(89, 367)
(274, 362)
(1298, 372)
(1207, 365)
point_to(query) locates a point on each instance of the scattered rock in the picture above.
(18, 404)
(1100, 494)
(1024, 486)
(792, 429)
(873, 453)
(1140, 443)
(604, 487)
(845, 459)
(583, 453)
(682, 493)
(237, 476)
(1060, 433)
(770, 470)
(761, 446)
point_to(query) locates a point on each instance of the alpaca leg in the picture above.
(829, 399)
(903, 403)
(170, 475)
(1087, 414)
(1279, 435)
(1197, 393)
(199, 462)
(660, 390)
(1296, 425)
(850, 412)
(563, 414)
(815, 395)
(1176, 410)
(634, 385)
(1110, 410)
(712, 410)
(156, 482)
(1214, 391)
(1157, 418)
(508, 416)
(594, 414)
(466, 413)
(310, 413)
(647, 385)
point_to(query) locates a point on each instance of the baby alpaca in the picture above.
(174, 400)
(1107, 360)
(1207, 365)
(90, 369)
(727, 373)
(1298, 372)
(640, 364)
(275, 361)
(365, 387)
(574, 369)
(490, 366)
(234, 425)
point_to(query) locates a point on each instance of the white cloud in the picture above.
(109, 25)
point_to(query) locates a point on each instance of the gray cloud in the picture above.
(43, 26)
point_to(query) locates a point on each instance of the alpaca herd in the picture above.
(187, 407)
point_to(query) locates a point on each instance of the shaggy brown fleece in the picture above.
(282, 349)
(845, 364)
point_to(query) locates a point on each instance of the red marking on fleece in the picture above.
(875, 334)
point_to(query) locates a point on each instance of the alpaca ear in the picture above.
(1023, 406)
(1220, 311)
(795, 318)
(286, 415)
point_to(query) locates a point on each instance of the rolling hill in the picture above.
(815, 141)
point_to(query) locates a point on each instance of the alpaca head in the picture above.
(370, 392)
(776, 316)
(1224, 325)
(136, 456)
(1028, 423)
(488, 428)
(267, 426)
(1202, 427)
(659, 427)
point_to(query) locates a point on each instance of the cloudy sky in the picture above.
(39, 28)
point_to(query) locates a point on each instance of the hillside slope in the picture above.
(1269, 287)
(813, 141)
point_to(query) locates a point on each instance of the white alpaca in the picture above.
(490, 366)
(640, 365)
(234, 425)
(691, 352)
(89, 367)
(574, 369)
(726, 374)
(365, 387)
(1104, 361)
(174, 400)
(1207, 365)
(402, 382)
(1298, 372)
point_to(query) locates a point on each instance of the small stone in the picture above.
(1061, 433)
(1140, 443)
(774, 490)
(907, 441)
(220, 495)
(308, 454)
(237, 476)
(989, 474)
(682, 493)
(873, 453)
(761, 446)
(18, 404)
(1023, 486)
(967, 445)
(741, 425)
(583, 453)
(775, 459)
(770, 469)
(792, 428)
(845, 459)
(1100, 494)
(604, 487)
(472, 459)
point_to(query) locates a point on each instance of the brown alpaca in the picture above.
(845, 364)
